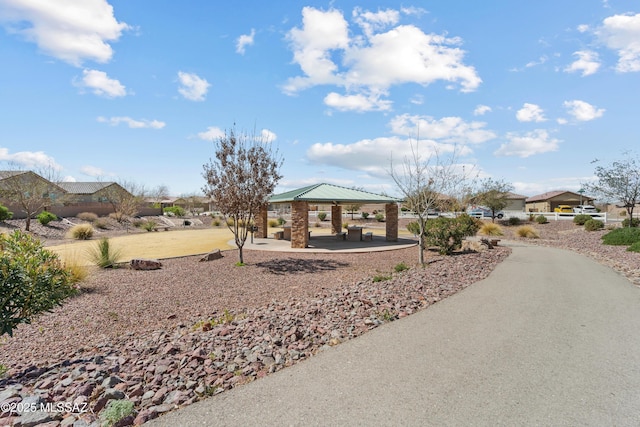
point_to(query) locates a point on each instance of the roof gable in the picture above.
(329, 193)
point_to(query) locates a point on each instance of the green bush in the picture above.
(115, 411)
(400, 267)
(103, 255)
(581, 219)
(32, 280)
(634, 223)
(5, 213)
(365, 215)
(87, 216)
(541, 219)
(593, 225)
(622, 236)
(281, 221)
(379, 217)
(174, 210)
(81, 232)
(447, 233)
(149, 225)
(322, 216)
(514, 220)
(634, 247)
(45, 217)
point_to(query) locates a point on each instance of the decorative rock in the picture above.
(146, 264)
(211, 256)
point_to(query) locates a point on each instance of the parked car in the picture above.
(564, 209)
(485, 213)
(585, 209)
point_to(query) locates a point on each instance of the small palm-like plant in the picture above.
(103, 254)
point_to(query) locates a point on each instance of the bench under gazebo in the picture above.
(327, 194)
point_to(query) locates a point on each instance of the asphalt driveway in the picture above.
(550, 338)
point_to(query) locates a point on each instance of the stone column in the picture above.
(391, 218)
(261, 222)
(336, 219)
(299, 224)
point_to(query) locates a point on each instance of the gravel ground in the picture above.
(145, 328)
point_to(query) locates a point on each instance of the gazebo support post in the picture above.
(391, 218)
(336, 219)
(299, 224)
(261, 222)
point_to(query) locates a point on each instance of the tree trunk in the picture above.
(421, 249)
(28, 226)
(240, 254)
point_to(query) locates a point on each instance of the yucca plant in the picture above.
(103, 254)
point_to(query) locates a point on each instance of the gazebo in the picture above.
(334, 195)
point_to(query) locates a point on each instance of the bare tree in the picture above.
(158, 194)
(423, 181)
(619, 182)
(125, 197)
(241, 178)
(494, 194)
(31, 192)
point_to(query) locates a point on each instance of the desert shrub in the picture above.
(541, 219)
(365, 215)
(81, 232)
(5, 213)
(229, 222)
(175, 210)
(400, 267)
(593, 225)
(317, 224)
(528, 232)
(149, 225)
(137, 222)
(414, 228)
(345, 225)
(281, 221)
(274, 223)
(115, 411)
(216, 223)
(447, 233)
(622, 236)
(77, 272)
(491, 229)
(45, 217)
(101, 224)
(514, 220)
(322, 216)
(581, 219)
(379, 217)
(635, 222)
(103, 255)
(32, 280)
(87, 216)
(634, 247)
(381, 278)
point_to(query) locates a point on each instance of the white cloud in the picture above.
(92, 171)
(376, 60)
(68, 178)
(134, 124)
(588, 63)
(29, 159)
(358, 102)
(211, 134)
(622, 34)
(417, 99)
(245, 40)
(100, 84)
(481, 110)
(529, 144)
(72, 31)
(267, 136)
(540, 61)
(530, 113)
(583, 111)
(447, 129)
(192, 87)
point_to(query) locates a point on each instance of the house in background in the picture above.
(547, 202)
(27, 193)
(515, 202)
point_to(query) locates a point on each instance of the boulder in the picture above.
(213, 255)
(146, 264)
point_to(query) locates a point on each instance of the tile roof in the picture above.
(84, 187)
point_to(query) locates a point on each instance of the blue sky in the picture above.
(526, 92)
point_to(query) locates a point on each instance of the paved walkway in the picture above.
(551, 338)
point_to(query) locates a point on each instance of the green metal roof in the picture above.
(328, 193)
